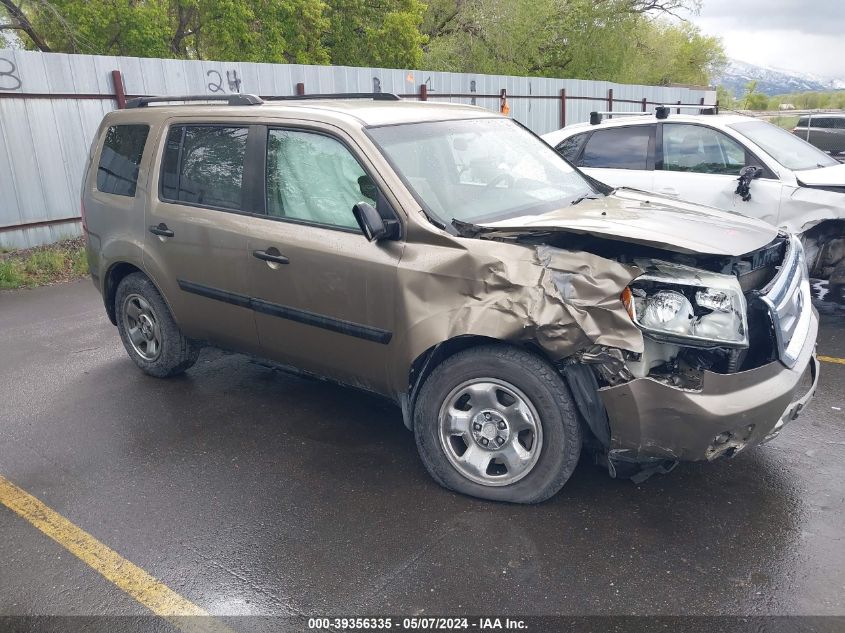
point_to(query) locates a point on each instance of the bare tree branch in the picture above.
(77, 42)
(185, 16)
(22, 23)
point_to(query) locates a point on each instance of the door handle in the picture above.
(669, 191)
(275, 258)
(161, 230)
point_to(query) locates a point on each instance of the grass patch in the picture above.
(62, 261)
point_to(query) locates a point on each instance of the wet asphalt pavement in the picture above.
(249, 491)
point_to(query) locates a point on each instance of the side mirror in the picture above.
(746, 175)
(372, 226)
(752, 172)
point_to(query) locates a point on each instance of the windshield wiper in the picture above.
(467, 229)
(581, 199)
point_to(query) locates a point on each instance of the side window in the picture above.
(204, 164)
(569, 148)
(117, 172)
(618, 148)
(804, 122)
(314, 178)
(699, 149)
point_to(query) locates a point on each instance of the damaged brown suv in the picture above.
(447, 258)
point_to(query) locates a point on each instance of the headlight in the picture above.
(667, 310)
(688, 306)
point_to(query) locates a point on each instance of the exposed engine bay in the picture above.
(697, 313)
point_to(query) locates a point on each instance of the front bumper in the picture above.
(650, 420)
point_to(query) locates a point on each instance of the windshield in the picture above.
(786, 148)
(480, 170)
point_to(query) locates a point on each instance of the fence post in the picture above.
(300, 89)
(423, 92)
(645, 104)
(119, 91)
(563, 107)
(610, 99)
(678, 109)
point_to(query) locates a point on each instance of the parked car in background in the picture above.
(728, 161)
(446, 258)
(825, 131)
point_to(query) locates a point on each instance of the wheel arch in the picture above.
(425, 363)
(116, 273)
(824, 244)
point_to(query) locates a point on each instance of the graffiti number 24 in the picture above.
(9, 79)
(216, 84)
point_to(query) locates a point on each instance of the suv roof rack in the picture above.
(375, 96)
(596, 117)
(251, 99)
(235, 100)
(661, 112)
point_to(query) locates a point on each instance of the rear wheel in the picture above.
(148, 331)
(498, 422)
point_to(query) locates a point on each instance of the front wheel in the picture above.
(498, 422)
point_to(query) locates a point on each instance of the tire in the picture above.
(150, 335)
(469, 397)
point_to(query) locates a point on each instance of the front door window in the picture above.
(313, 178)
(701, 150)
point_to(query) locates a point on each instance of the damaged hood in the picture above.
(644, 218)
(832, 176)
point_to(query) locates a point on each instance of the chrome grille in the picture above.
(790, 307)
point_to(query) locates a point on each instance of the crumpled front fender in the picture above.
(562, 300)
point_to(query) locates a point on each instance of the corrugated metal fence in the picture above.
(51, 105)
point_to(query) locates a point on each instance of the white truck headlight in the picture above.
(688, 306)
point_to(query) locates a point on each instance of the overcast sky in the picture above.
(807, 36)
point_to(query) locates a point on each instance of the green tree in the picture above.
(617, 40)
(725, 97)
(661, 53)
(753, 100)
(384, 33)
(353, 32)
(281, 31)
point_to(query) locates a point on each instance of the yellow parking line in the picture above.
(128, 577)
(831, 359)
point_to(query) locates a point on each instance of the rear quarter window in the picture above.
(117, 171)
(204, 165)
(617, 148)
(570, 147)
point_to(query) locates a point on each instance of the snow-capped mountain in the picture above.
(773, 81)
